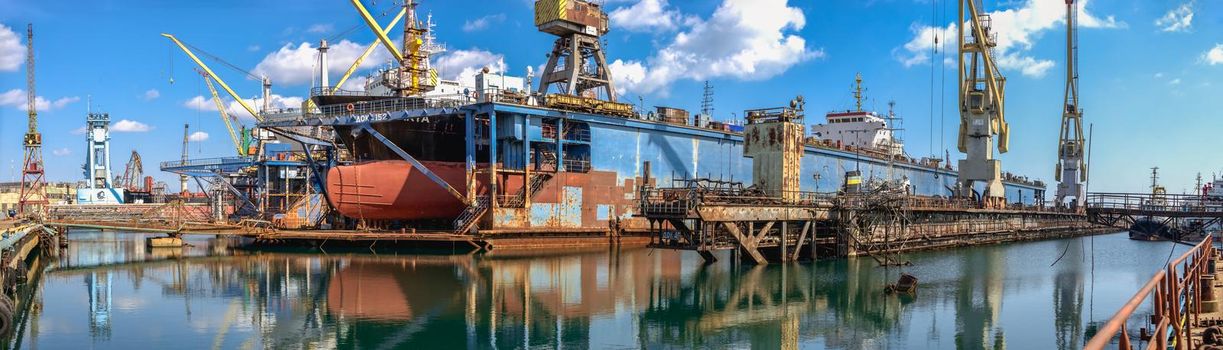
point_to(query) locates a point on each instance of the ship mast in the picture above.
(1071, 171)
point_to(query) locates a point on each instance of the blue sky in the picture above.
(1151, 70)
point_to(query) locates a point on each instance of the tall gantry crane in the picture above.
(1071, 169)
(33, 197)
(982, 106)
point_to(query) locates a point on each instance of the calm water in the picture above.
(110, 292)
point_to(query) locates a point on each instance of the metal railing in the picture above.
(207, 163)
(1176, 303)
(1154, 202)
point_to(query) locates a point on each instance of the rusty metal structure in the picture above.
(33, 197)
(1186, 217)
(772, 219)
(1177, 294)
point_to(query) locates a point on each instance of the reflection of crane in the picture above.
(1071, 172)
(33, 197)
(981, 107)
(239, 144)
(133, 173)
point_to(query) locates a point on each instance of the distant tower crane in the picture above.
(1071, 170)
(182, 178)
(982, 106)
(576, 65)
(33, 197)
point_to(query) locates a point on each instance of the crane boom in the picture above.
(368, 51)
(214, 75)
(216, 98)
(373, 25)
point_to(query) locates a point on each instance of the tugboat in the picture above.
(1153, 228)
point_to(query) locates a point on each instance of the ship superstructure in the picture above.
(859, 129)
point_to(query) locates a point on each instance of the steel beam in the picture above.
(415, 163)
(747, 242)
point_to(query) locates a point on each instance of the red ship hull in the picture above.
(394, 190)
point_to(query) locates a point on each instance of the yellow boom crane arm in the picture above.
(214, 76)
(369, 50)
(373, 25)
(225, 117)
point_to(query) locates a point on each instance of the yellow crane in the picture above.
(413, 76)
(225, 86)
(982, 107)
(225, 116)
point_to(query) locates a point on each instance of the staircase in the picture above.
(471, 215)
(537, 182)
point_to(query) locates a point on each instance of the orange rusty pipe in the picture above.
(1169, 293)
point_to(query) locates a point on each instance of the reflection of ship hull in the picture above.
(1150, 229)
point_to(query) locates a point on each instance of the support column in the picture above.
(469, 125)
(526, 161)
(560, 150)
(492, 158)
(783, 252)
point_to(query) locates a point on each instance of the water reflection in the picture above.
(212, 295)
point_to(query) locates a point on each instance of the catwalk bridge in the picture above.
(1191, 215)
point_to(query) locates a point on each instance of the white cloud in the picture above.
(61, 152)
(198, 136)
(463, 65)
(291, 65)
(152, 94)
(126, 125)
(481, 23)
(12, 52)
(743, 39)
(235, 109)
(320, 28)
(645, 15)
(253, 48)
(17, 98)
(1176, 81)
(80, 130)
(1179, 19)
(1214, 56)
(1016, 29)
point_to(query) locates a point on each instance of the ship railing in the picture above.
(1176, 293)
(394, 104)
